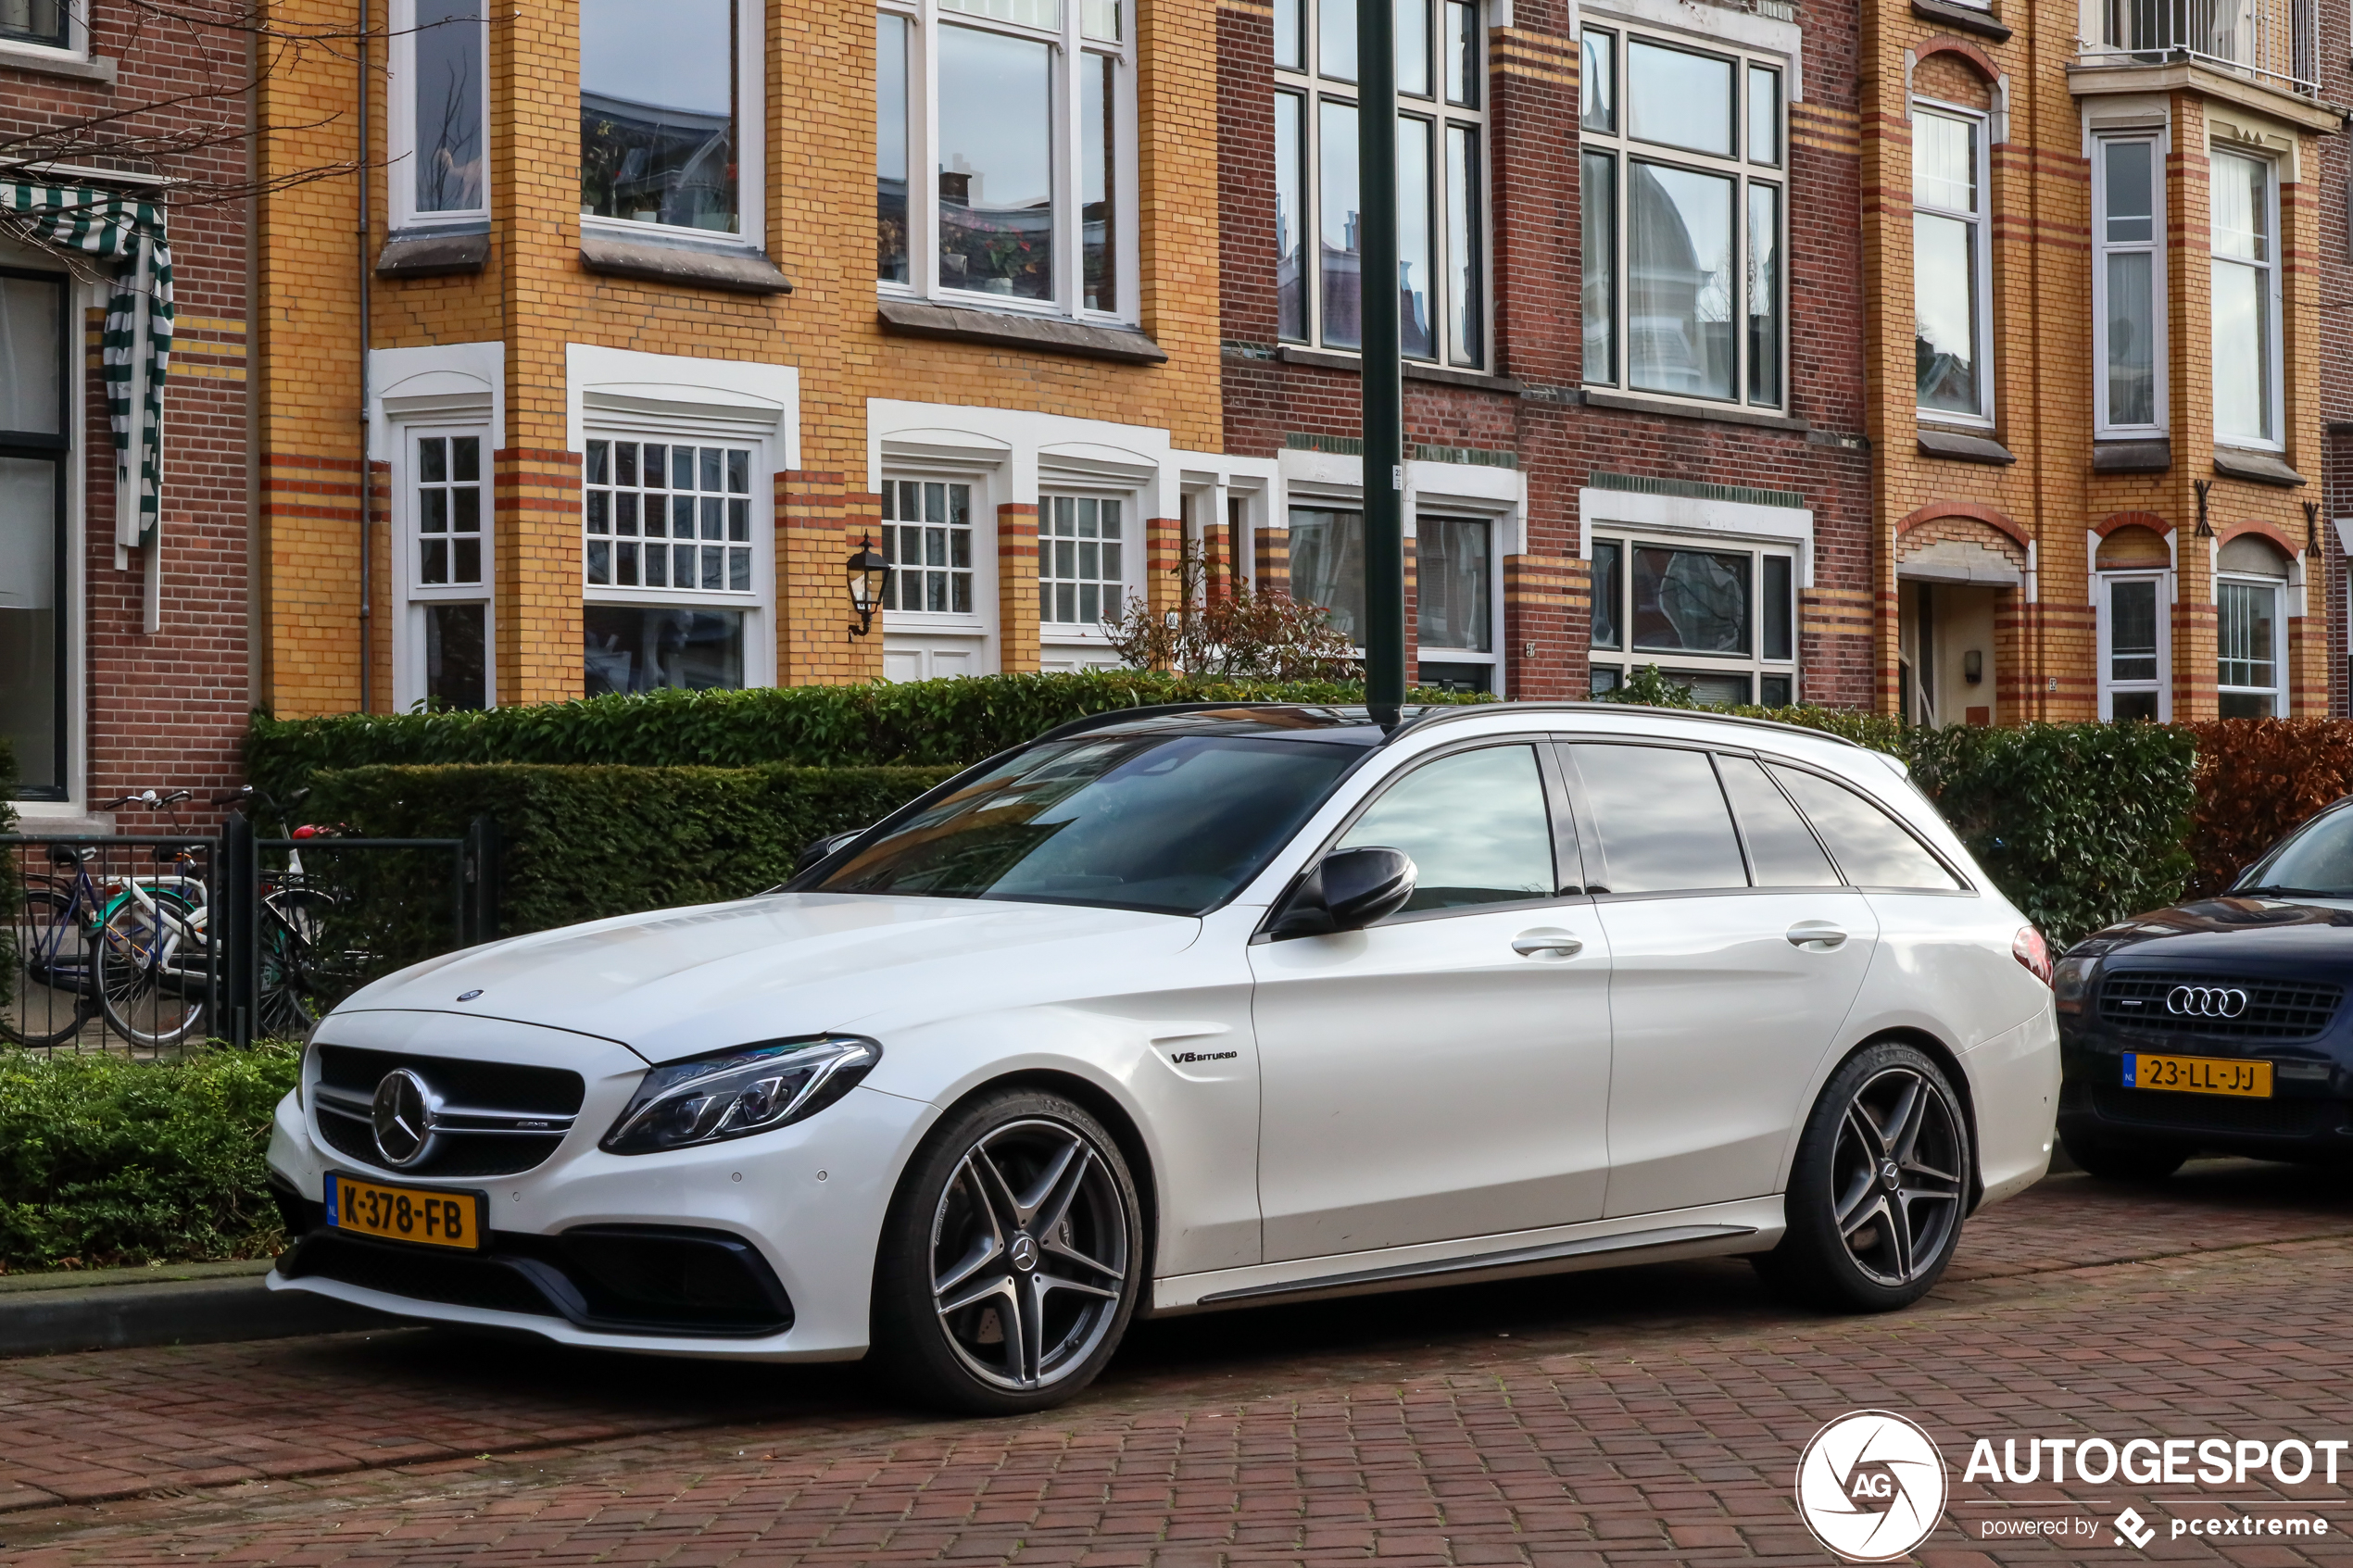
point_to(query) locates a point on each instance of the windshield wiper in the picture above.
(2293, 892)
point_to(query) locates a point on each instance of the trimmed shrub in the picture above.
(2256, 779)
(104, 1160)
(951, 722)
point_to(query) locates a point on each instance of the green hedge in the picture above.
(920, 723)
(104, 1160)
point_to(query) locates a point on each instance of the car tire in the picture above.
(2124, 1161)
(1011, 1259)
(1880, 1187)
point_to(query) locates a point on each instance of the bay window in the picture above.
(1023, 111)
(1682, 221)
(1442, 185)
(1950, 304)
(1083, 560)
(1718, 618)
(440, 108)
(2244, 221)
(669, 115)
(2128, 283)
(673, 563)
(2251, 630)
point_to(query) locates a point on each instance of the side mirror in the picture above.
(820, 847)
(1349, 890)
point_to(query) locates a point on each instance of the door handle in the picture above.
(1560, 943)
(1818, 934)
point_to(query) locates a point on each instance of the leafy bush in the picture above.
(918, 723)
(2258, 778)
(582, 843)
(104, 1160)
(1237, 632)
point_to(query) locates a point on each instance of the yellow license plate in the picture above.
(2198, 1075)
(398, 1213)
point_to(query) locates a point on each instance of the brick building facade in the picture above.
(123, 669)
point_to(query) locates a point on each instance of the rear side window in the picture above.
(1475, 824)
(1661, 820)
(1871, 849)
(1780, 849)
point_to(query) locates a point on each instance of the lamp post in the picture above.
(869, 580)
(1384, 398)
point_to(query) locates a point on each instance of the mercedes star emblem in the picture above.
(468, 996)
(1024, 1253)
(403, 1115)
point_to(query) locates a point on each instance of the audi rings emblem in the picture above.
(2205, 1001)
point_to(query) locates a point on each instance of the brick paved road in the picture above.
(1643, 1415)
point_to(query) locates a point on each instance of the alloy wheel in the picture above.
(1029, 1254)
(1895, 1175)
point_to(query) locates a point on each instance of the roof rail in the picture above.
(1441, 713)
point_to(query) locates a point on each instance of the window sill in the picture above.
(1968, 19)
(2262, 467)
(1963, 448)
(916, 318)
(427, 255)
(737, 272)
(1411, 369)
(46, 62)
(1636, 403)
(2148, 454)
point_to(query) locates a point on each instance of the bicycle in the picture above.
(289, 917)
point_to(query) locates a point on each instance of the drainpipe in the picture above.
(367, 472)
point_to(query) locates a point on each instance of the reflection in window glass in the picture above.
(448, 503)
(31, 327)
(1339, 237)
(996, 163)
(1781, 851)
(1327, 565)
(1872, 850)
(1336, 41)
(890, 147)
(456, 657)
(1679, 284)
(2132, 639)
(1475, 825)
(653, 647)
(2127, 237)
(1764, 115)
(1289, 39)
(697, 537)
(1453, 581)
(35, 21)
(927, 537)
(1461, 53)
(1412, 46)
(1945, 285)
(1462, 242)
(1778, 605)
(1417, 327)
(1597, 84)
(1661, 819)
(2244, 650)
(445, 104)
(32, 691)
(658, 112)
(1764, 294)
(1290, 184)
(2241, 228)
(1691, 601)
(1081, 573)
(1099, 260)
(1679, 99)
(1598, 203)
(1609, 592)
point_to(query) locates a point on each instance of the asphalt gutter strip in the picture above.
(46, 1314)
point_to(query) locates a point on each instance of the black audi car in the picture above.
(2218, 1026)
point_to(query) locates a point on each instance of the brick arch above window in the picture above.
(2269, 532)
(2115, 521)
(2132, 547)
(1944, 43)
(1992, 516)
(1953, 72)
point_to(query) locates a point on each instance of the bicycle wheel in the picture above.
(48, 957)
(152, 970)
(286, 1004)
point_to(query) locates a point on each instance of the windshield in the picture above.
(2317, 858)
(1172, 823)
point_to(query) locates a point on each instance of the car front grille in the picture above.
(2217, 1114)
(2274, 1009)
(497, 1119)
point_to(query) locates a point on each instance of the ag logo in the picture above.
(1870, 1486)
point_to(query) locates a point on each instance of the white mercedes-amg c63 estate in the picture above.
(1197, 1008)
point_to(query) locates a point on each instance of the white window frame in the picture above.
(1627, 658)
(401, 125)
(2102, 614)
(2154, 248)
(751, 122)
(2278, 691)
(410, 676)
(923, 631)
(1133, 541)
(1493, 658)
(758, 603)
(2274, 388)
(1070, 49)
(77, 44)
(1980, 243)
(1307, 84)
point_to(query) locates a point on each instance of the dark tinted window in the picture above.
(1871, 849)
(1172, 823)
(1781, 851)
(2317, 858)
(1661, 820)
(1475, 824)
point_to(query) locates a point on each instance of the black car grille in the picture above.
(2217, 1114)
(495, 1141)
(2275, 1009)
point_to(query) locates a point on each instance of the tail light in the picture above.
(2029, 949)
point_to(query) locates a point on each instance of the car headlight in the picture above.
(2070, 978)
(734, 1093)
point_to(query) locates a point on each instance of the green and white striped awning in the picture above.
(136, 347)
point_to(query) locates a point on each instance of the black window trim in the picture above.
(55, 448)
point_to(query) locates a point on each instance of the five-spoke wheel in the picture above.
(1012, 1257)
(1881, 1185)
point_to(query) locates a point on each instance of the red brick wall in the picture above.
(2324, 586)
(167, 710)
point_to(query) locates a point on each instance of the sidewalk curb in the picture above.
(204, 1311)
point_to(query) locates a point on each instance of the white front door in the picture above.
(1424, 1080)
